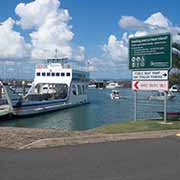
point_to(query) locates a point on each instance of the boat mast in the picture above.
(56, 59)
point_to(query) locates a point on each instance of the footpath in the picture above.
(27, 138)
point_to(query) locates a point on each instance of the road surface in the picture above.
(157, 159)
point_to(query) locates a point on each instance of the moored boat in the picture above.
(171, 115)
(91, 86)
(56, 86)
(160, 96)
(174, 88)
(112, 85)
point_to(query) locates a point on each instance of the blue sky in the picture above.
(95, 24)
(94, 20)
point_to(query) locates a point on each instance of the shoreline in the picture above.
(29, 138)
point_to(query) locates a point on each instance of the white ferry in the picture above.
(56, 86)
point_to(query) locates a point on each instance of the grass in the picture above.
(138, 126)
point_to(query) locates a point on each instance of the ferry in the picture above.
(56, 86)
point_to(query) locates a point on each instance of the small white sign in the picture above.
(150, 85)
(150, 75)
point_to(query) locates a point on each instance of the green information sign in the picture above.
(150, 52)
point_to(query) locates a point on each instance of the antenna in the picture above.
(56, 59)
(56, 53)
(88, 66)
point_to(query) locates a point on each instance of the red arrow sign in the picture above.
(136, 85)
(150, 85)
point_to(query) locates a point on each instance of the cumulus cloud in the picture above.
(158, 19)
(156, 23)
(34, 14)
(99, 64)
(116, 49)
(12, 44)
(100, 67)
(50, 27)
(131, 22)
(78, 53)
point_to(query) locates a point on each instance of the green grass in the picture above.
(138, 126)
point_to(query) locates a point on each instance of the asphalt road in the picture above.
(157, 159)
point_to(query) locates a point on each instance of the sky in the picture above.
(93, 32)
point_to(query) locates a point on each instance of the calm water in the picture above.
(101, 110)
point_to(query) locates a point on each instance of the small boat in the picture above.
(91, 86)
(170, 115)
(116, 95)
(56, 86)
(112, 85)
(160, 96)
(174, 88)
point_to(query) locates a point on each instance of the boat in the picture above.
(112, 85)
(116, 95)
(160, 96)
(91, 86)
(174, 88)
(4, 110)
(56, 86)
(171, 115)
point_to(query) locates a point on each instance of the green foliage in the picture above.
(174, 79)
(176, 56)
(175, 76)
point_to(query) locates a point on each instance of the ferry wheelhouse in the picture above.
(56, 86)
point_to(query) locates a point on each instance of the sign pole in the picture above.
(135, 105)
(150, 58)
(165, 107)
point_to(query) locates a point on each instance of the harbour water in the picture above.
(101, 110)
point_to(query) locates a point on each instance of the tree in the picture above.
(175, 72)
(176, 55)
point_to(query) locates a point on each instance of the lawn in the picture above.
(137, 126)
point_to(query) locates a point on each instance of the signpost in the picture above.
(150, 75)
(150, 57)
(150, 52)
(150, 85)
